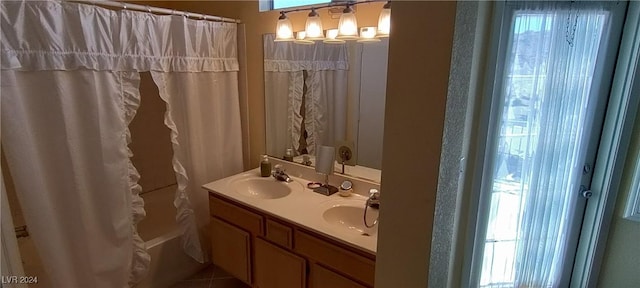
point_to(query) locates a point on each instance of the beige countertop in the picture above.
(302, 207)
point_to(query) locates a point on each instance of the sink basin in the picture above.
(263, 188)
(350, 219)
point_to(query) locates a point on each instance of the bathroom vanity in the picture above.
(269, 233)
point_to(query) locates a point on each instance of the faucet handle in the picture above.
(374, 194)
(278, 168)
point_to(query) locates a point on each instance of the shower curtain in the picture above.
(69, 90)
(206, 143)
(316, 75)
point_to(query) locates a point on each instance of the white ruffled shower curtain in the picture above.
(291, 70)
(206, 143)
(69, 90)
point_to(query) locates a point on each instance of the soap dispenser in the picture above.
(265, 166)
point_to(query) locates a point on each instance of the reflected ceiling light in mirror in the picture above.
(284, 29)
(313, 28)
(301, 38)
(331, 37)
(384, 21)
(348, 25)
(368, 34)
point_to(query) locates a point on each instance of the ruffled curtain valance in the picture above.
(49, 38)
(289, 56)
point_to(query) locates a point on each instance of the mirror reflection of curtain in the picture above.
(322, 89)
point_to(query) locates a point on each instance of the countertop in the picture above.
(302, 207)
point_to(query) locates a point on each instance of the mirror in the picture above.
(326, 94)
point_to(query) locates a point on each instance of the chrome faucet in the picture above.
(373, 202)
(374, 198)
(280, 175)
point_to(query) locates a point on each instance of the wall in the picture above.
(622, 255)
(152, 155)
(150, 140)
(418, 71)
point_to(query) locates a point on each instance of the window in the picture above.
(280, 4)
(266, 5)
(552, 81)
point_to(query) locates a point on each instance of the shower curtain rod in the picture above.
(156, 10)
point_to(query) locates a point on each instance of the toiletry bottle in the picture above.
(265, 167)
(288, 155)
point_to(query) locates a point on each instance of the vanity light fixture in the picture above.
(284, 29)
(313, 28)
(348, 25)
(384, 21)
(347, 28)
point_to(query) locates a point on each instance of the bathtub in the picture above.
(169, 264)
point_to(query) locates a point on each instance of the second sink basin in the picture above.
(350, 218)
(264, 188)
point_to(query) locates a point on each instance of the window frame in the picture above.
(632, 211)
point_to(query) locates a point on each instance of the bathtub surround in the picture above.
(69, 91)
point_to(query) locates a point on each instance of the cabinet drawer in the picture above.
(235, 214)
(279, 234)
(230, 248)
(324, 278)
(352, 264)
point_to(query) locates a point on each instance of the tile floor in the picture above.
(210, 277)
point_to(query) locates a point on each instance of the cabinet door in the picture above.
(324, 278)
(276, 267)
(230, 249)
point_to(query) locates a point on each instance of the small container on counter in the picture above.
(265, 166)
(346, 188)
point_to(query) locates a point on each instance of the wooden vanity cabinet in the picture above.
(267, 252)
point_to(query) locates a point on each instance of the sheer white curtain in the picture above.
(69, 90)
(547, 112)
(313, 77)
(558, 126)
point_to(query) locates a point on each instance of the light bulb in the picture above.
(331, 37)
(348, 26)
(302, 39)
(368, 34)
(314, 26)
(284, 29)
